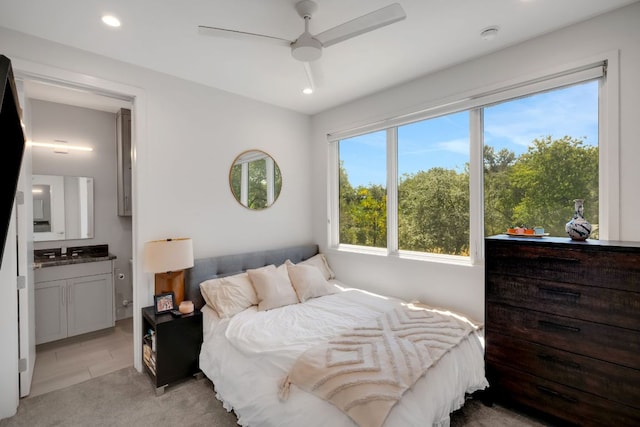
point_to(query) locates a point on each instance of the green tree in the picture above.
(549, 176)
(369, 216)
(433, 212)
(348, 197)
(363, 213)
(500, 197)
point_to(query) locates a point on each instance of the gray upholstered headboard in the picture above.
(225, 265)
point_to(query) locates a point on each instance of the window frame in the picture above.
(604, 68)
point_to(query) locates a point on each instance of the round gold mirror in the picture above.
(255, 179)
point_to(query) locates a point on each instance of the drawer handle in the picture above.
(556, 394)
(553, 325)
(557, 360)
(558, 259)
(575, 295)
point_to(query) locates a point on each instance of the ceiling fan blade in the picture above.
(241, 35)
(315, 76)
(365, 23)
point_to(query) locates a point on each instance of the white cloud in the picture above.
(458, 146)
(571, 111)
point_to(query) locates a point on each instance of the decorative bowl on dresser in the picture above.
(563, 328)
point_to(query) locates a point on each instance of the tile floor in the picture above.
(62, 363)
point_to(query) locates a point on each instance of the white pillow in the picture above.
(321, 263)
(272, 286)
(229, 295)
(308, 281)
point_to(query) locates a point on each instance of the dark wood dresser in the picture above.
(563, 328)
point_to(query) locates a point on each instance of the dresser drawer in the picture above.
(578, 336)
(604, 379)
(587, 265)
(608, 306)
(562, 402)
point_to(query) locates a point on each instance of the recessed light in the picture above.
(111, 20)
(489, 33)
(307, 91)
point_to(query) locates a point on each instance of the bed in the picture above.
(255, 354)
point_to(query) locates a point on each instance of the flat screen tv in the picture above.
(12, 142)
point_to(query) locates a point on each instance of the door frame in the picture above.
(30, 71)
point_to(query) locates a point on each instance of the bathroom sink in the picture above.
(72, 254)
(95, 251)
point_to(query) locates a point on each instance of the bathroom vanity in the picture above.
(73, 292)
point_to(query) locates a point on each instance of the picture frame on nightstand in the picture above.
(164, 303)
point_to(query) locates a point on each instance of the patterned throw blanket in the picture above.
(365, 371)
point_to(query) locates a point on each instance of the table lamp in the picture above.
(168, 258)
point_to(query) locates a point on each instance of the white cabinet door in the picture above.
(51, 310)
(90, 304)
(81, 302)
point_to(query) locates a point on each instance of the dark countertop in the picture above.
(74, 255)
(70, 260)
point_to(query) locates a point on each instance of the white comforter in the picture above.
(247, 356)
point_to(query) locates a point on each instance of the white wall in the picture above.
(461, 287)
(83, 126)
(187, 137)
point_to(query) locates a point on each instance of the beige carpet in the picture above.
(124, 398)
(127, 398)
(475, 414)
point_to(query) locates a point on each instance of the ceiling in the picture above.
(163, 36)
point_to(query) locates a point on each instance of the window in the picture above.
(433, 185)
(435, 182)
(541, 153)
(362, 190)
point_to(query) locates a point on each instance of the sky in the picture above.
(444, 141)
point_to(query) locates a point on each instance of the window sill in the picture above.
(443, 259)
(408, 255)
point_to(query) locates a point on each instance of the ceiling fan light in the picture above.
(306, 48)
(306, 53)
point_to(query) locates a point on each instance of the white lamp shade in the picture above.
(161, 256)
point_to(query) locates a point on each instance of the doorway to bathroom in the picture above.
(67, 115)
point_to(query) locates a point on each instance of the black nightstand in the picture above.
(174, 355)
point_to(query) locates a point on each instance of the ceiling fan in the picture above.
(307, 48)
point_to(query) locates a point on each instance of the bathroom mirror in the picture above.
(255, 179)
(62, 207)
